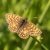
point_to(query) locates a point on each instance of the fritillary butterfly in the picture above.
(22, 27)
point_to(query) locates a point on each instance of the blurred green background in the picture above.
(37, 11)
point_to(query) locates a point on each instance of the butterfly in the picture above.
(21, 26)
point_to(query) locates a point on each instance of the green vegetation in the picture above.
(38, 12)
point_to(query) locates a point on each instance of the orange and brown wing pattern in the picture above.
(23, 32)
(34, 31)
(23, 28)
(29, 29)
(13, 22)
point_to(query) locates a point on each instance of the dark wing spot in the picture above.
(23, 22)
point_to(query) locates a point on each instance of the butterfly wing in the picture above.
(33, 29)
(13, 21)
(23, 32)
(29, 29)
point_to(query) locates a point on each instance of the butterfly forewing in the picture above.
(13, 22)
(34, 30)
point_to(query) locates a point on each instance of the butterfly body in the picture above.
(21, 26)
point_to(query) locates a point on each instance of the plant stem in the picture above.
(28, 43)
(44, 46)
(44, 12)
(39, 21)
